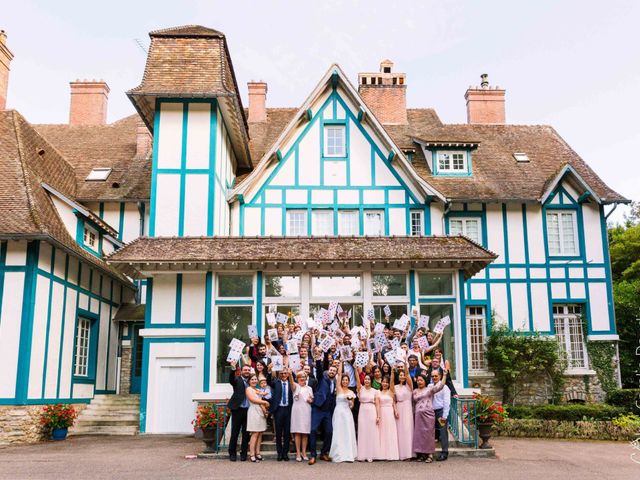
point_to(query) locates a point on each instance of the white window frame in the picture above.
(566, 317)
(322, 223)
(465, 231)
(450, 168)
(416, 232)
(290, 220)
(340, 151)
(86, 237)
(99, 174)
(372, 212)
(477, 343)
(82, 353)
(559, 213)
(348, 222)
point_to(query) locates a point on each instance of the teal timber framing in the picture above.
(33, 272)
(326, 114)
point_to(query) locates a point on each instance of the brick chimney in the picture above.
(485, 104)
(143, 139)
(257, 102)
(385, 93)
(5, 60)
(88, 102)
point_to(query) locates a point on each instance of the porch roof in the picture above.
(147, 254)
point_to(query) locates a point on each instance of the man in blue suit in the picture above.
(281, 403)
(324, 402)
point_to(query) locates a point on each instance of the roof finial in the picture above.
(485, 80)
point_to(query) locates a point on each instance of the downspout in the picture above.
(606, 217)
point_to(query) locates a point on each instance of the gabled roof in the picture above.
(26, 209)
(568, 172)
(334, 74)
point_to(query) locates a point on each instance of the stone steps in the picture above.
(109, 415)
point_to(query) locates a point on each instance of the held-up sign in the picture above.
(362, 358)
(236, 344)
(423, 321)
(325, 345)
(371, 314)
(379, 328)
(423, 343)
(271, 319)
(282, 318)
(273, 334)
(292, 347)
(415, 311)
(403, 321)
(252, 330)
(278, 363)
(294, 362)
(442, 323)
(346, 354)
(234, 356)
(387, 311)
(390, 357)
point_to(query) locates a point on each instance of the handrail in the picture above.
(463, 422)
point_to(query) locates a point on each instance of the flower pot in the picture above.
(59, 433)
(209, 439)
(484, 431)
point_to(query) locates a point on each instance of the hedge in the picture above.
(628, 398)
(598, 430)
(569, 413)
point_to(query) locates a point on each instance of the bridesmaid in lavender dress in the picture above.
(424, 442)
(404, 406)
(368, 420)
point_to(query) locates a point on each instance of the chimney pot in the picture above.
(5, 61)
(257, 101)
(88, 102)
(485, 104)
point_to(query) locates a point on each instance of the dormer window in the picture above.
(334, 141)
(452, 162)
(98, 175)
(90, 238)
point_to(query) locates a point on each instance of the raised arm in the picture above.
(435, 344)
(408, 375)
(358, 384)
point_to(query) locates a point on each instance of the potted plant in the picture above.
(488, 412)
(210, 418)
(56, 420)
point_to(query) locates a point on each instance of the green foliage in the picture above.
(601, 359)
(566, 412)
(628, 398)
(516, 359)
(587, 430)
(628, 420)
(625, 252)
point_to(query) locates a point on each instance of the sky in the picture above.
(574, 65)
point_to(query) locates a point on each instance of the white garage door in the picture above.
(176, 381)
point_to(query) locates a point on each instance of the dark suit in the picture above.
(238, 416)
(324, 402)
(281, 416)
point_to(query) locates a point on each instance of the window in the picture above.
(477, 335)
(452, 162)
(435, 284)
(357, 311)
(469, 227)
(90, 237)
(447, 345)
(562, 233)
(568, 330)
(396, 312)
(232, 323)
(336, 286)
(281, 286)
(334, 141)
(235, 286)
(416, 223)
(348, 222)
(83, 337)
(374, 223)
(322, 222)
(521, 157)
(296, 223)
(98, 175)
(387, 285)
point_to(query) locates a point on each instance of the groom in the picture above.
(324, 402)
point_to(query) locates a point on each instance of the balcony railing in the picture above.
(462, 421)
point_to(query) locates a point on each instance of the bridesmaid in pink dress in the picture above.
(368, 419)
(404, 406)
(387, 426)
(424, 441)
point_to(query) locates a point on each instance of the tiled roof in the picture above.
(212, 250)
(110, 146)
(26, 210)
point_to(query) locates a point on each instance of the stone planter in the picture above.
(484, 431)
(59, 434)
(209, 437)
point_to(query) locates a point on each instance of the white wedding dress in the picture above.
(343, 444)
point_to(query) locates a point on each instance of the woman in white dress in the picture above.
(256, 418)
(343, 444)
(301, 414)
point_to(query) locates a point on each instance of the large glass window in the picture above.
(569, 334)
(477, 335)
(322, 222)
(297, 223)
(435, 284)
(469, 227)
(348, 222)
(562, 233)
(334, 141)
(388, 285)
(232, 323)
(289, 310)
(396, 312)
(374, 223)
(235, 286)
(357, 311)
(83, 334)
(336, 286)
(448, 344)
(282, 286)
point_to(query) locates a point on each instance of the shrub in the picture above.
(58, 416)
(571, 413)
(628, 398)
(628, 421)
(209, 416)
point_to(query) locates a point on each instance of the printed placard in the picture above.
(415, 311)
(271, 319)
(423, 343)
(372, 345)
(390, 357)
(371, 315)
(273, 308)
(379, 328)
(233, 356)
(294, 362)
(362, 358)
(236, 344)
(273, 334)
(387, 311)
(346, 354)
(423, 321)
(292, 347)
(326, 344)
(282, 318)
(278, 363)
(402, 322)
(252, 330)
(311, 324)
(395, 343)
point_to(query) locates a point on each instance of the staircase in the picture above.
(109, 415)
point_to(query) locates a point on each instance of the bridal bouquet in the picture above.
(351, 396)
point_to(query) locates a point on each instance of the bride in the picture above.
(343, 443)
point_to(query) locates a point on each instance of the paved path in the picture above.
(162, 457)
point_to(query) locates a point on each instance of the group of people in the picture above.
(376, 411)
